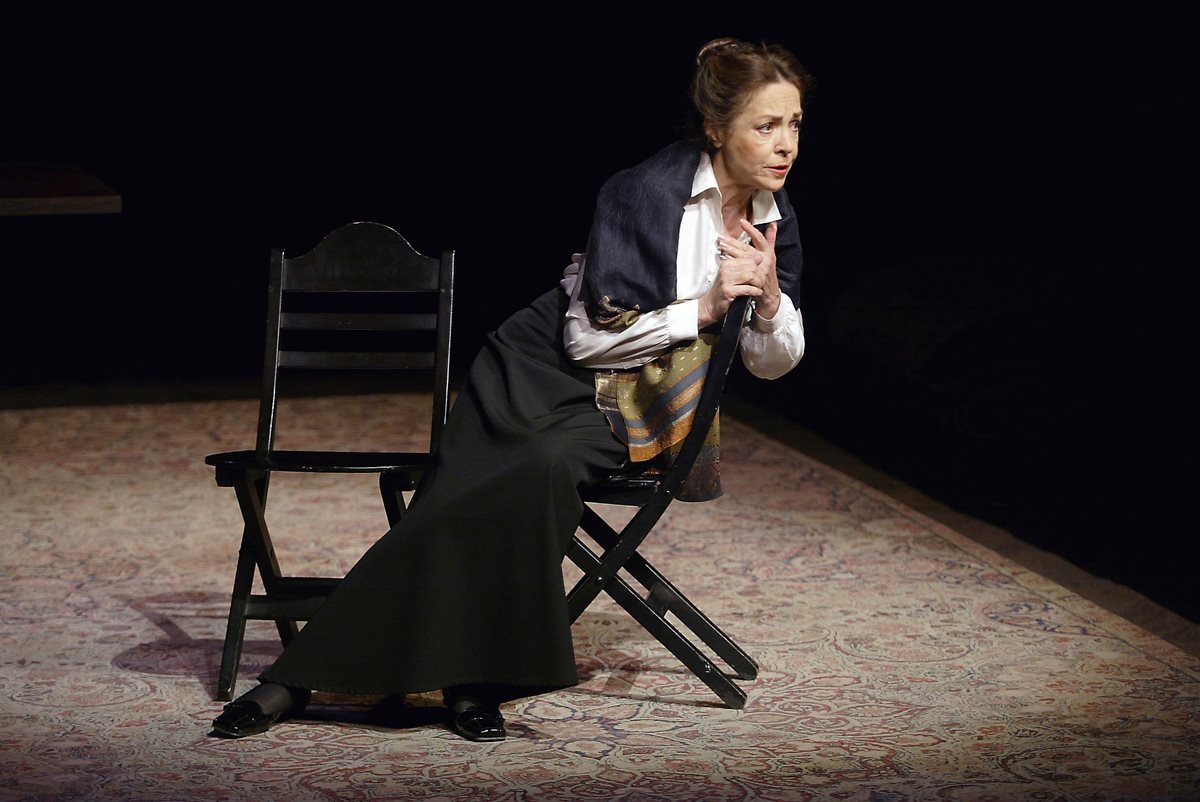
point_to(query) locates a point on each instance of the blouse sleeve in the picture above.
(770, 348)
(646, 336)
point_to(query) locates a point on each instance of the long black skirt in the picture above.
(468, 587)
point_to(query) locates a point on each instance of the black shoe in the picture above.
(256, 710)
(241, 718)
(478, 723)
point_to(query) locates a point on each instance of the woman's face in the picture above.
(758, 148)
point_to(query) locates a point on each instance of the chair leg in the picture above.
(251, 494)
(256, 550)
(393, 498)
(617, 549)
(235, 629)
(590, 585)
(663, 630)
(666, 598)
(280, 591)
(287, 629)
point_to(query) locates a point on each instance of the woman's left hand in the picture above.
(760, 251)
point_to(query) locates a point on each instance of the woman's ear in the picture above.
(714, 135)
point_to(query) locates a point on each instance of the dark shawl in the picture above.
(632, 246)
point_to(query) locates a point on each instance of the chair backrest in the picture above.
(363, 299)
(719, 364)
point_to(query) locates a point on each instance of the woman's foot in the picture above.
(258, 709)
(474, 713)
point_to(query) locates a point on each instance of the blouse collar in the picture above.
(762, 205)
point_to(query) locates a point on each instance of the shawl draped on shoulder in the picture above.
(634, 238)
(630, 268)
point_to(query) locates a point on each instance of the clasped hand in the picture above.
(747, 268)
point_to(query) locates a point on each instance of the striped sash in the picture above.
(650, 409)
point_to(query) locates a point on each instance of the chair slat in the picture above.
(354, 360)
(359, 272)
(356, 321)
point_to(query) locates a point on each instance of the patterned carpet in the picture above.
(900, 660)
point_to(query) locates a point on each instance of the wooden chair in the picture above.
(362, 301)
(652, 495)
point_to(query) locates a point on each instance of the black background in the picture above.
(994, 290)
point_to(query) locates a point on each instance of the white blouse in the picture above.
(769, 348)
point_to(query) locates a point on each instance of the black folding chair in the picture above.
(652, 495)
(362, 301)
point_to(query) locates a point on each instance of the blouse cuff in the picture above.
(682, 321)
(768, 325)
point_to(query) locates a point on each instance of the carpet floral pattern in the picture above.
(899, 659)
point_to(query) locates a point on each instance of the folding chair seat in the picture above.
(652, 495)
(361, 302)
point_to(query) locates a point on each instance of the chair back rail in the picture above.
(715, 378)
(363, 299)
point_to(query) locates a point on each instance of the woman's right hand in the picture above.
(740, 272)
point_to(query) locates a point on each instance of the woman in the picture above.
(465, 594)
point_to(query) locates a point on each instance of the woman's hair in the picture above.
(729, 71)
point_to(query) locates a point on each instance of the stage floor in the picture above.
(901, 658)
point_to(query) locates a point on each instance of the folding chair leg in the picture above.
(252, 498)
(617, 549)
(663, 630)
(665, 597)
(256, 551)
(587, 588)
(235, 629)
(286, 598)
(393, 497)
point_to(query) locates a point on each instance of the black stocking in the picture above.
(276, 699)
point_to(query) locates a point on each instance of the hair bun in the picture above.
(726, 44)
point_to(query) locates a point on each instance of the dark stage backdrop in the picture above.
(993, 288)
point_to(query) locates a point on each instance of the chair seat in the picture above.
(320, 461)
(631, 489)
